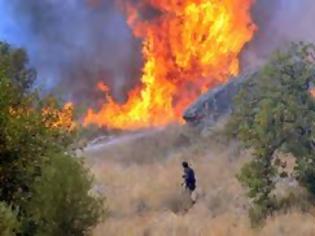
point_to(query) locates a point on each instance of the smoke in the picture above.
(279, 22)
(76, 44)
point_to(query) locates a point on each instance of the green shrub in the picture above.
(275, 112)
(62, 203)
(48, 189)
(9, 224)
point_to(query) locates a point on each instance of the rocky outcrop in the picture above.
(215, 104)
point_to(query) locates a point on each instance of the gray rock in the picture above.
(217, 103)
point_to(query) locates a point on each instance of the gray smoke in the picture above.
(279, 23)
(75, 44)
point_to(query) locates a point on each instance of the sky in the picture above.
(8, 29)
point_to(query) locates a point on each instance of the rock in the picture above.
(215, 104)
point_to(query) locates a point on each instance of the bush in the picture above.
(275, 112)
(9, 224)
(62, 203)
(47, 188)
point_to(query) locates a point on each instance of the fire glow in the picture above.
(189, 46)
(59, 118)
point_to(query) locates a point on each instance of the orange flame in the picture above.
(52, 117)
(188, 46)
(59, 118)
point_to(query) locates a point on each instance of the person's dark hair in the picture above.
(185, 164)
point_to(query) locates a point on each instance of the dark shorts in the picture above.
(191, 187)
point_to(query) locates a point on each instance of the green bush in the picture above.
(275, 112)
(62, 203)
(9, 224)
(48, 189)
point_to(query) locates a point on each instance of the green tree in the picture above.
(14, 64)
(9, 224)
(275, 111)
(61, 205)
(33, 143)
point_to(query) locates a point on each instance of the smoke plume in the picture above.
(76, 44)
(279, 23)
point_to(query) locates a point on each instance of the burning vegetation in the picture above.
(59, 118)
(188, 47)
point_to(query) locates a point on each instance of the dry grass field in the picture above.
(140, 175)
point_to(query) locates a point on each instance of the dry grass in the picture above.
(141, 176)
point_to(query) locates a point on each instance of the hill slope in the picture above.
(140, 174)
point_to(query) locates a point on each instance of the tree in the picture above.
(275, 111)
(35, 134)
(14, 65)
(61, 205)
(9, 224)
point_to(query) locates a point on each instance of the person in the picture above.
(189, 181)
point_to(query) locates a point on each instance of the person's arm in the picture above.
(186, 175)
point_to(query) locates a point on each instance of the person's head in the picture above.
(185, 164)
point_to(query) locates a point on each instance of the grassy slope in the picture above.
(141, 178)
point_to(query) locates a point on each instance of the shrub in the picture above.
(275, 111)
(9, 224)
(47, 189)
(62, 203)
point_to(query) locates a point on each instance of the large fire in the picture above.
(189, 46)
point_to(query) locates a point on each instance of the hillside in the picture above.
(143, 191)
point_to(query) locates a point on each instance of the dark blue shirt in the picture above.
(189, 177)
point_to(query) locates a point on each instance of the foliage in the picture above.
(61, 205)
(9, 224)
(275, 111)
(33, 144)
(13, 63)
(23, 142)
